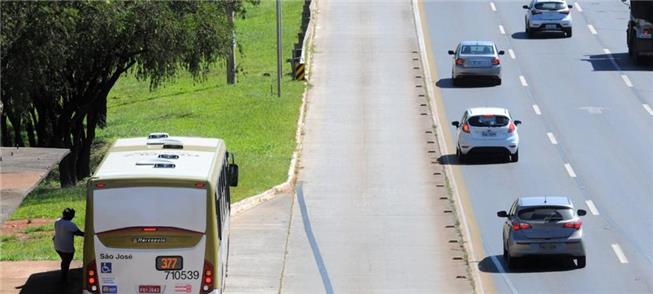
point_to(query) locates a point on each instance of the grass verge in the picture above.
(258, 126)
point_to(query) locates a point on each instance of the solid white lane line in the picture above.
(512, 53)
(537, 109)
(523, 81)
(620, 254)
(494, 8)
(503, 32)
(570, 170)
(606, 51)
(577, 6)
(592, 29)
(648, 109)
(592, 208)
(552, 138)
(627, 81)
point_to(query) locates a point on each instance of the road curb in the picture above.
(287, 186)
(472, 260)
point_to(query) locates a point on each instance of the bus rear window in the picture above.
(120, 208)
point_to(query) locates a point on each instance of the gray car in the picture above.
(548, 16)
(476, 59)
(543, 226)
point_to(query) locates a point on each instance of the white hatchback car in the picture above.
(548, 16)
(487, 130)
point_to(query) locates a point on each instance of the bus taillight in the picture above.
(208, 276)
(91, 277)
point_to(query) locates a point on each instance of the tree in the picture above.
(61, 59)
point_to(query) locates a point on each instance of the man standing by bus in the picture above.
(64, 232)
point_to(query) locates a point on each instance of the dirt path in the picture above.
(38, 277)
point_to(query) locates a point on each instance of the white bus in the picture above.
(157, 217)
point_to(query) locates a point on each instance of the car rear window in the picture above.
(488, 121)
(548, 213)
(477, 49)
(550, 6)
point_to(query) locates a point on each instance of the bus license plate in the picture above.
(169, 263)
(548, 246)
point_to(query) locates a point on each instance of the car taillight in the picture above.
(460, 61)
(521, 226)
(208, 278)
(466, 127)
(511, 127)
(573, 225)
(646, 33)
(91, 277)
(496, 61)
(535, 11)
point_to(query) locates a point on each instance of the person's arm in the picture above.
(79, 233)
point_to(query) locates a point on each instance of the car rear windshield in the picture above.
(547, 213)
(488, 121)
(477, 49)
(550, 6)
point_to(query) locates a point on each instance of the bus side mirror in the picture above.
(233, 175)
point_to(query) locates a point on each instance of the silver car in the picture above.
(543, 226)
(476, 59)
(548, 16)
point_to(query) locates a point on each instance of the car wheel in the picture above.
(498, 82)
(529, 31)
(510, 261)
(456, 81)
(580, 260)
(515, 157)
(462, 158)
(568, 32)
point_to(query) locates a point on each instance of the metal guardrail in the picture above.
(299, 49)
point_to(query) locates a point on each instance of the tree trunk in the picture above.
(30, 133)
(6, 137)
(16, 126)
(67, 170)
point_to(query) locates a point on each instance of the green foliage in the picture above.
(256, 124)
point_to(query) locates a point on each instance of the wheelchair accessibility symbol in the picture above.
(105, 267)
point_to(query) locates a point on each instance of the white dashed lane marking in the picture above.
(648, 108)
(552, 138)
(592, 207)
(627, 81)
(511, 53)
(537, 109)
(523, 81)
(494, 8)
(570, 170)
(592, 29)
(606, 51)
(577, 6)
(620, 254)
(503, 32)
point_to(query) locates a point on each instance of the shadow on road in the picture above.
(447, 83)
(528, 265)
(48, 283)
(536, 36)
(607, 62)
(452, 159)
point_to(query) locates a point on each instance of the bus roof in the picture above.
(171, 157)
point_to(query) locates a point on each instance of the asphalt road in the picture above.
(368, 215)
(586, 134)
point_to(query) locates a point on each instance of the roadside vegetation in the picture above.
(258, 126)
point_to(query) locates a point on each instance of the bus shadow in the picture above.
(527, 265)
(48, 283)
(617, 62)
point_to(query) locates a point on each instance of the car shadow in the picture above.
(606, 62)
(48, 282)
(452, 159)
(536, 36)
(446, 83)
(528, 265)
